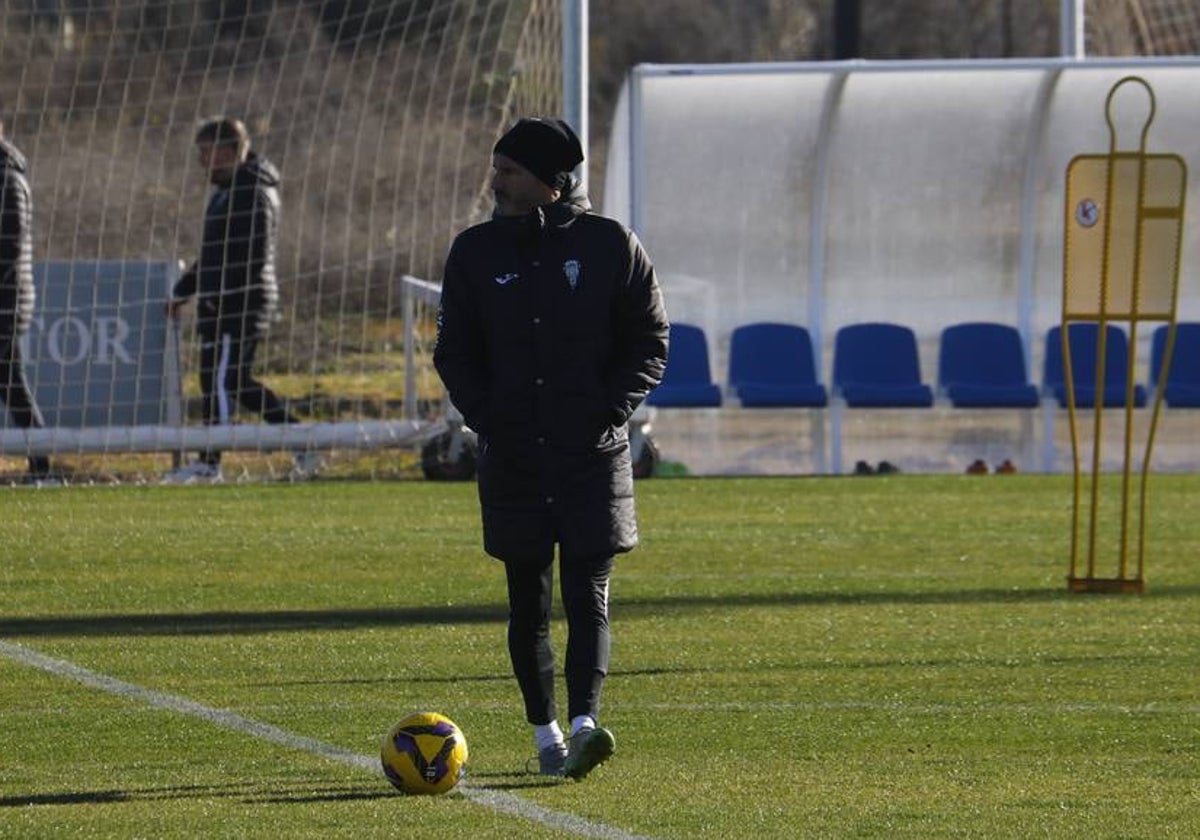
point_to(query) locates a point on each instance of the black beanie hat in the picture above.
(547, 148)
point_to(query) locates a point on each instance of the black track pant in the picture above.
(227, 380)
(14, 391)
(584, 587)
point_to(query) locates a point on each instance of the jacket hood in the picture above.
(257, 170)
(11, 157)
(572, 204)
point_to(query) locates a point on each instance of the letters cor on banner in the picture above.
(100, 350)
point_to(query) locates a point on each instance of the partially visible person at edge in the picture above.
(17, 295)
(551, 332)
(234, 284)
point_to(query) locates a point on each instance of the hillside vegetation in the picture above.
(378, 173)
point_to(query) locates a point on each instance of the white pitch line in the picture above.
(486, 797)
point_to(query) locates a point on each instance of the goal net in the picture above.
(379, 114)
(1142, 27)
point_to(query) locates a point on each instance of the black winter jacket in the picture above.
(234, 278)
(16, 243)
(551, 331)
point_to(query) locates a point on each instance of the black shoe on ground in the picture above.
(587, 750)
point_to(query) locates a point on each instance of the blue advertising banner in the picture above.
(100, 351)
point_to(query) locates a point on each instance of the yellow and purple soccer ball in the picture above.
(425, 753)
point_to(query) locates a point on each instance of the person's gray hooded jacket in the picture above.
(234, 279)
(17, 295)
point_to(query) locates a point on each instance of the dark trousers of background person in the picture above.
(226, 381)
(584, 588)
(14, 391)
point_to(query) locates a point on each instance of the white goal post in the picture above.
(380, 115)
(419, 297)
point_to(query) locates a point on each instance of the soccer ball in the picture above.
(424, 753)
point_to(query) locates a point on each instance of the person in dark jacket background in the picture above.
(17, 294)
(551, 331)
(234, 283)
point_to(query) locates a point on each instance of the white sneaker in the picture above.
(305, 465)
(551, 760)
(44, 481)
(196, 472)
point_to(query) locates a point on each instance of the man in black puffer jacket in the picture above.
(551, 332)
(234, 284)
(17, 293)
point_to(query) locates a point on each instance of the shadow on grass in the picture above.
(233, 791)
(232, 622)
(506, 677)
(514, 781)
(90, 797)
(387, 679)
(323, 796)
(524, 785)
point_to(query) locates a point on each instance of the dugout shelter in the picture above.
(923, 194)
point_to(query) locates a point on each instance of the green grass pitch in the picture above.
(887, 657)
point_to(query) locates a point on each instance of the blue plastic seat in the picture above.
(772, 365)
(982, 365)
(687, 381)
(876, 365)
(1084, 339)
(1183, 379)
